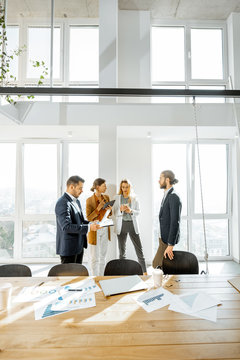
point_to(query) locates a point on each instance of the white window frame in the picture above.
(188, 25)
(190, 216)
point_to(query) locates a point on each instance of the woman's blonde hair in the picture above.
(130, 189)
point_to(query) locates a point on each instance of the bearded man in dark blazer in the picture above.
(169, 218)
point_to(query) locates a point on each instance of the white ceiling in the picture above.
(160, 9)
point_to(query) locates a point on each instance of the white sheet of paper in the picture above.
(196, 301)
(86, 286)
(190, 304)
(122, 285)
(72, 301)
(105, 221)
(154, 299)
(37, 293)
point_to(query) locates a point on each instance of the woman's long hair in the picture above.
(130, 189)
(97, 182)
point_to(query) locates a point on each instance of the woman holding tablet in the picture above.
(126, 210)
(98, 240)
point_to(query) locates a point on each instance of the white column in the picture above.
(134, 29)
(233, 24)
(108, 31)
(108, 171)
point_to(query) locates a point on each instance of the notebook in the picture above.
(122, 285)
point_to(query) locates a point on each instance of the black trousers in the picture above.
(72, 259)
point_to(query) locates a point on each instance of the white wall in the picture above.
(134, 163)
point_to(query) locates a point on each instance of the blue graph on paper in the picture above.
(148, 301)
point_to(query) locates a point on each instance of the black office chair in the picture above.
(71, 269)
(123, 267)
(14, 270)
(183, 263)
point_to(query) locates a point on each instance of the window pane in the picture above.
(39, 239)
(7, 178)
(87, 168)
(39, 42)
(6, 239)
(40, 178)
(168, 54)
(206, 54)
(12, 45)
(208, 99)
(84, 57)
(216, 235)
(172, 157)
(213, 162)
(168, 99)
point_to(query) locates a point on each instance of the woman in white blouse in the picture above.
(126, 210)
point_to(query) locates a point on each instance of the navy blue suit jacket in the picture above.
(169, 218)
(71, 228)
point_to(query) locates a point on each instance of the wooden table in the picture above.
(117, 328)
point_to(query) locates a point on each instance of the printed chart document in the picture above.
(122, 285)
(37, 293)
(196, 304)
(73, 300)
(154, 299)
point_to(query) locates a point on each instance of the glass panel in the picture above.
(183, 243)
(213, 162)
(7, 178)
(173, 157)
(168, 99)
(84, 54)
(168, 54)
(206, 54)
(39, 239)
(40, 178)
(209, 99)
(13, 45)
(6, 239)
(216, 235)
(83, 168)
(39, 42)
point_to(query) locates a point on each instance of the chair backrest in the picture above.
(14, 270)
(71, 269)
(183, 263)
(123, 267)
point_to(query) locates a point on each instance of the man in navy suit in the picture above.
(71, 226)
(169, 218)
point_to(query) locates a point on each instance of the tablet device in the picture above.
(122, 285)
(108, 203)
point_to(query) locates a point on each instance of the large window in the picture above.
(27, 218)
(193, 57)
(7, 199)
(183, 160)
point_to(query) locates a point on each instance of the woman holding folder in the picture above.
(126, 210)
(98, 240)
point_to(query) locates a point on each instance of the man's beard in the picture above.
(163, 186)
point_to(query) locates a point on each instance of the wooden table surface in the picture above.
(117, 328)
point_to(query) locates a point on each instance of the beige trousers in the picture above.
(158, 259)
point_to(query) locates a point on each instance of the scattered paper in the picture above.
(154, 299)
(74, 301)
(197, 304)
(37, 293)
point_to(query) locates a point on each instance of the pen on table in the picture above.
(75, 289)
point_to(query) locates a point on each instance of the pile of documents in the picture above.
(198, 304)
(54, 300)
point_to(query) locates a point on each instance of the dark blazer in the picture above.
(169, 218)
(71, 228)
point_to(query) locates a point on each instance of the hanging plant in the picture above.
(6, 78)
